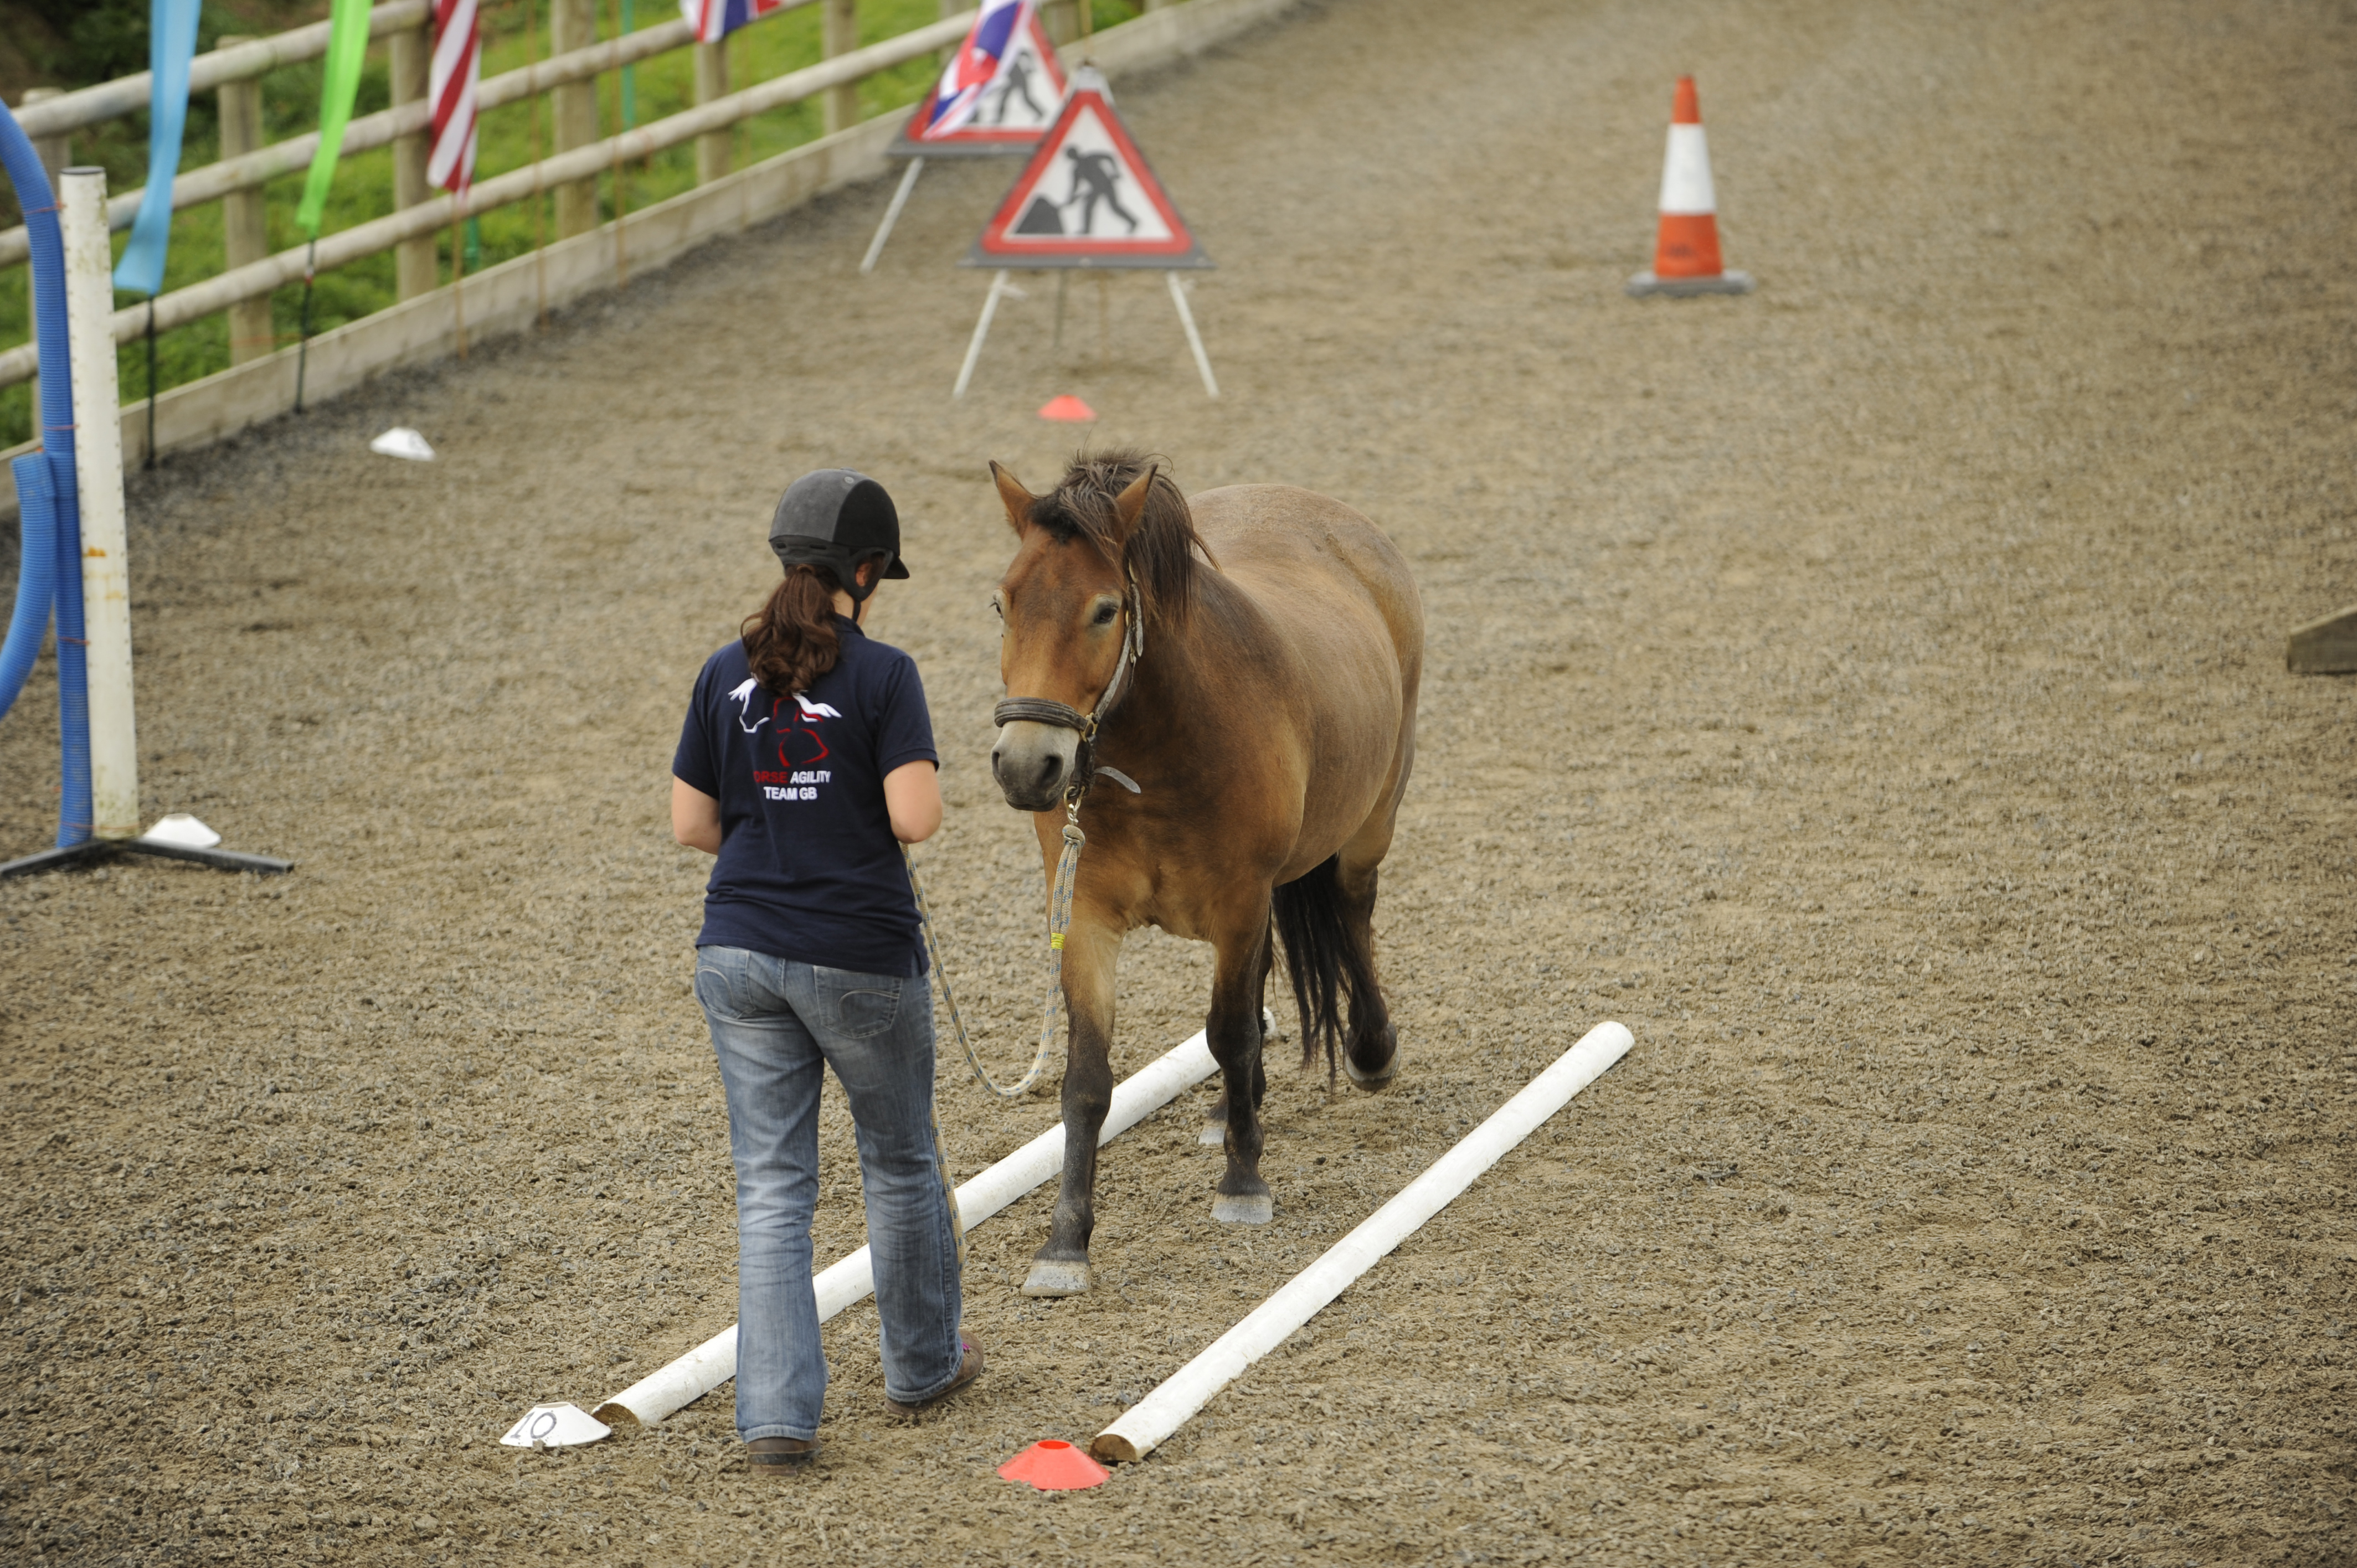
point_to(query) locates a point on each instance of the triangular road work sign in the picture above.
(1087, 198)
(1004, 87)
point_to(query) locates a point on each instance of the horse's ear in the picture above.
(1130, 505)
(1017, 499)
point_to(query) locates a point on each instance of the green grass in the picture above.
(364, 188)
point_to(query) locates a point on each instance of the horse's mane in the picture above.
(1162, 550)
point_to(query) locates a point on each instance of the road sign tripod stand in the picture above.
(1000, 287)
(91, 850)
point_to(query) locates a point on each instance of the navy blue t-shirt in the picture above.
(808, 868)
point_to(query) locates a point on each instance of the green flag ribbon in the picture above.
(347, 40)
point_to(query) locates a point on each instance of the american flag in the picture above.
(969, 76)
(450, 88)
(716, 19)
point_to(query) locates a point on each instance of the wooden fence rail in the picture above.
(213, 181)
(432, 210)
(256, 56)
(345, 246)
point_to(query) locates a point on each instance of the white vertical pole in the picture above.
(1194, 339)
(98, 462)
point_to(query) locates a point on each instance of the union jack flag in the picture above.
(716, 19)
(450, 87)
(977, 66)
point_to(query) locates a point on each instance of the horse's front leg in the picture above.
(1240, 976)
(1091, 947)
(1215, 1119)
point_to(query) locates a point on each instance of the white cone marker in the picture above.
(402, 442)
(180, 828)
(1146, 1425)
(555, 1426)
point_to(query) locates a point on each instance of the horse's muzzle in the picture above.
(1033, 763)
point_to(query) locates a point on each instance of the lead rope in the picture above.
(1060, 919)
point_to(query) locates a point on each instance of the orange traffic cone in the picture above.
(1685, 253)
(1052, 1466)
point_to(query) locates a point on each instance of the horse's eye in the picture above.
(1105, 614)
(997, 608)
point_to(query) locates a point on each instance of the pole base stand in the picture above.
(91, 850)
(1644, 283)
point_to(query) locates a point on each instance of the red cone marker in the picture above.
(1068, 407)
(1686, 248)
(1053, 1466)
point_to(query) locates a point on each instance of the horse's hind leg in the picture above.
(1240, 974)
(1371, 1045)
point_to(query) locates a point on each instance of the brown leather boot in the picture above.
(968, 1370)
(778, 1457)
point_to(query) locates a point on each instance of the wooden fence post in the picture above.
(1062, 20)
(839, 34)
(55, 152)
(711, 83)
(416, 270)
(245, 226)
(572, 25)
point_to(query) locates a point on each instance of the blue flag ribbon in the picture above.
(171, 44)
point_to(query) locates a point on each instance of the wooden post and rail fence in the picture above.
(582, 256)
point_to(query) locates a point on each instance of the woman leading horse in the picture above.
(1223, 696)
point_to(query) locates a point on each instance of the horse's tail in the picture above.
(1327, 967)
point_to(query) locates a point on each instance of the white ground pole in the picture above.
(1194, 339)
(1147, 1423)
(998, 285)
(713, 1362)
(98, 463)
(892, 215)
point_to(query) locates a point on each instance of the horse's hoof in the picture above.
(1252, 1208)
(1053, 1276)
(1376, 1080)
(1214, 1135)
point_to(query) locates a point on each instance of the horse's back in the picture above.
(1334, 639)
(1282, 544)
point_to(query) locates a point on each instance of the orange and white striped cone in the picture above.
(1685, 253)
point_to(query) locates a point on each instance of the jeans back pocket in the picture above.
(858, 1007)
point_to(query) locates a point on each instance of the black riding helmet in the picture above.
(838, 518)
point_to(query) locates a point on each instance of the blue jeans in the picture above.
(773, 1023)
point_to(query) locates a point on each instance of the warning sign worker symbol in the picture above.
(1087, 198)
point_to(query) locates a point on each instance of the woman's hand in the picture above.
(695, 817)
(913, 794)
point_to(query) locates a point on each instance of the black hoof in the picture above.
(1379, 1076)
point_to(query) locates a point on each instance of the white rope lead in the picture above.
(1060, 919)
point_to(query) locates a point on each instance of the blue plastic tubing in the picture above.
(37, 575)
(39, 203)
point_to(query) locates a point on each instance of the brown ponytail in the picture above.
(790, 640)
